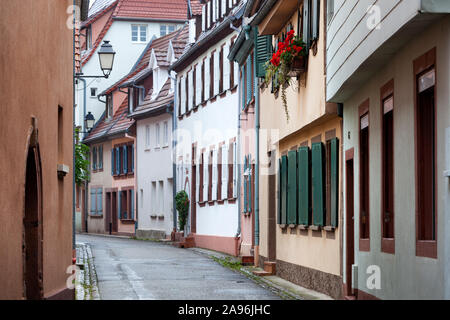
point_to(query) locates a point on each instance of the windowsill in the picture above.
(426, 248)
(364, 244)
(303, 227)
(220, 202)
(223, 94)
(329, 228)
(195, 109)
(166, 146)
(234, 89)
(283, 226)
(127, 221)
(202, 204)
(147, 150)
(315, 228)
(388, 245)
(138, 42)
(96, 216)
(213, 99)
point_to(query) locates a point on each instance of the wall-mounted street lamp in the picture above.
(89, 122)
(106, 56)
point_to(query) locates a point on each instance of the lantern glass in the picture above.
(106, 56)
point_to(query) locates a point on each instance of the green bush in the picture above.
(182, 205)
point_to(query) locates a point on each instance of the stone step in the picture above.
(261, 273)
(271, 267)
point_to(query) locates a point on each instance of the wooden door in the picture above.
(114, 205)
(108, 221)
(350, 239)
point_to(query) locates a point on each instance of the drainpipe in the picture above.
(73, 138)
(174, 169)
(238, 151)
(257, 127)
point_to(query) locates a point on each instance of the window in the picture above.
(166, 29)
(88, 38)
(221, 70)
(331, 182)
(126, 204)
(109, 106)
(139, 33)
(157, 135)
(96, 201)
(211, 75)
(100, 157)
(147, 136)
(166, 134)
(364, 218)
(94, 158)
(330, 10)
(247, 185)
(200, 198)
(387, 166)
(122, 159)
(210, 174)
(93, 92)
(425, 118)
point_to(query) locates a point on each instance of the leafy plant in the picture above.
(182, 205)
(81, 160)
(280, 65)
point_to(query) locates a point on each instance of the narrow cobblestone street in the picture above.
(145, 270)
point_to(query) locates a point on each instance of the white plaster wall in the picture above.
(403, 275)
(212, 124)
(351, 40)
(154, 165)
(127, 53)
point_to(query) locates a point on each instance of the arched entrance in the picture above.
(32, 228)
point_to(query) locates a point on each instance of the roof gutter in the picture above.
(262, 12)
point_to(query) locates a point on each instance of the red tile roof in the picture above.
(152, 9)
(196, 7)
(108, 127)
(179, 39)
(164, 98)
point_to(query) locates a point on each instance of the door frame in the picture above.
(349, 219)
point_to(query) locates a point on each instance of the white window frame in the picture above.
(147, 137)
(140, 28)
(166, 134)
(158, 136)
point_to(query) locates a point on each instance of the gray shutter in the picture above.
(93, 201)
(99, 201)
(132, 205)
(306, 23)
(119, 209)
(112, 161)
(125, 159)
(315, 19)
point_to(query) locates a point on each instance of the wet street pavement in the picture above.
(145, 270)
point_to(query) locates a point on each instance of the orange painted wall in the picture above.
(36, 77)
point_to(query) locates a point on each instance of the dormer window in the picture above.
(139, 33)
(109, 106)
(166, 29)
(88, 40)
(135, 97)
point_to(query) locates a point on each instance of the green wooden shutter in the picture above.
(125, 159)
(249, 190)
(279, 192)
(243, 86)
(283, 181)
(117, 160)
(100, 157)
(334, 182)
(318, 184)
(249, 78)
(292, 188)
(304, 193)
(306, 23)
(263, 54)
(132, 157)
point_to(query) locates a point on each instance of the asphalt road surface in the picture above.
(130, 269)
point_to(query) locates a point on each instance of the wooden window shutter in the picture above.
(292, 188)
(205, 177)
(279, 192)
(315, 19)
(214, 175)
(200, 181)
(100, 157)
(304, 183)
(119, 208)
(219, 173)
(249, 80)
(194, 85)
(132, 204)
(334, 182)
(132, 157)
(186, 85)
(117, 160)
(243, 86)
(232, 75)
(224, 172)
(99, 201)
(263, 54)
(203, 81)
(112, 161)
(93, 201)
(235, 168)
(211, 75)
(125, 160)
(249, 184)
(318, 184)
(306, 23)
(179, 96)
(94, 156)
(283, 182)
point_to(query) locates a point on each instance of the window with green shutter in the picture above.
(99, 201)
(112, 162)
(292, 188)
(245, 186)
(263, 54)
(318, 186)
(93, 201)
(125, 160)
(306, 23)
(249, 79)
(283, 182)
(279, 192)
(304, 186)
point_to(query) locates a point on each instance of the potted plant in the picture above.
(289, 61)
(182, 205)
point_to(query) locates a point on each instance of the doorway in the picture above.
(108, 221)
(32, 228)
(350, 226)
(113, 212)
(272, 212)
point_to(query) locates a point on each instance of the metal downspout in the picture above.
(174, 169)
(73, 132)
(238, 151)
(257, 127)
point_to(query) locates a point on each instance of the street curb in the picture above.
(86, 282)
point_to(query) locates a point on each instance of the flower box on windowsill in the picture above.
(298, 66)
